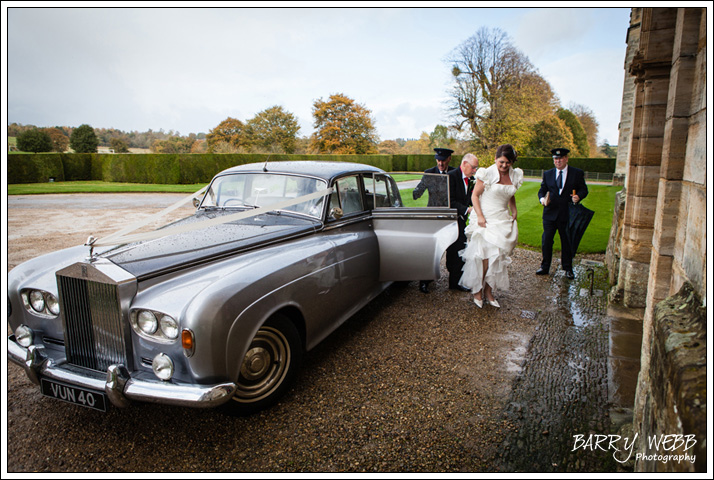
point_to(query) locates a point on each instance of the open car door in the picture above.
(412, 240)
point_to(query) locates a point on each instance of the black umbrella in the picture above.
(578, 221)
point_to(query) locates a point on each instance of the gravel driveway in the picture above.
(412, 383)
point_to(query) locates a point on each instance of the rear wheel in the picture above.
(269, 367)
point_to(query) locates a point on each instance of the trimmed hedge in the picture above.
(200, 168)
(34, 168)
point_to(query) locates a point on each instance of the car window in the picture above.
(264, 189)
(347, 195)
(381, 191)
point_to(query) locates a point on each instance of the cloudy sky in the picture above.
(187, 69)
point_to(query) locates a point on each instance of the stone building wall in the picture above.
(628, 94)
(658, 245)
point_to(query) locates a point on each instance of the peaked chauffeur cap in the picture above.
(443, 153)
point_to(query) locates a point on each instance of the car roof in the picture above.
(325, 170)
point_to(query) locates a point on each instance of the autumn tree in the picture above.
(580, 139)
(199, 146)
(173, 145)
(497, 93)
(273, 130)
(35, 140)
(60, 141)
(342, 126)
(589, 123)
(84, 140)
(230, 131)
(549, 133)
(418, 146)
(388, 147)
(119, 145)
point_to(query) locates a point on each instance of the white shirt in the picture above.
(565, 175)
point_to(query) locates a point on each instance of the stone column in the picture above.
(651, 67)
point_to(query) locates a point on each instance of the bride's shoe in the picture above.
(479, 303)
(493, 303)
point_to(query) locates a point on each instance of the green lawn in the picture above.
(601, 199)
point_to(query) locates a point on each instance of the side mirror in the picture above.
(196, 202)
(336, 213)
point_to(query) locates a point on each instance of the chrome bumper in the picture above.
(117, 383)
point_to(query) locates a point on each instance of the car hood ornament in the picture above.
(90, 243)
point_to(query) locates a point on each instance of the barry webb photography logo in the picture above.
(659, 448)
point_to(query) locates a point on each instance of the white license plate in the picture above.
(75, 395)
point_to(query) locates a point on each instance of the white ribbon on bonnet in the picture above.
(122, 236)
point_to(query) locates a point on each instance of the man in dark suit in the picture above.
(460, 188)
(561, 186)
(437, 188)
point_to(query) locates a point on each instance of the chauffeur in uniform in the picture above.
(437, 188)
(561, 186)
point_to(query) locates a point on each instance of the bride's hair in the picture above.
(507, 150)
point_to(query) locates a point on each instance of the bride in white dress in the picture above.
(492, 231)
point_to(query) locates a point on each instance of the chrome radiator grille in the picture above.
(92, 318)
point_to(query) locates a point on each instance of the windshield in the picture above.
(255, 190)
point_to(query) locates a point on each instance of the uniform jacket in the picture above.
(437, 188)
(558, 207)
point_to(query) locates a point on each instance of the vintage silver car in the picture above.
(218, 309)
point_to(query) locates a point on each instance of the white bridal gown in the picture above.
(495, 242)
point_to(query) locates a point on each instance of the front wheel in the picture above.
(269, 367)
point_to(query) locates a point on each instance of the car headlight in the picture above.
(169, 327)
(37, 301)
(155, 326)
(163, 367)
(23, 335)
(53, 304)
(147, 322)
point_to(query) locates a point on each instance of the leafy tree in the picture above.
(389, 147)
(608, 150)
(173, 145)
(589, 123)
(230, 131)
(199, 146)
(15, 129)
(273, 130)
(547, 134)
(343, 127)
(60, 141)
(441, 138)
(497, 93)
(420, 146)
(35, 140)
(84, 140)
(119, 145)
(580, 138)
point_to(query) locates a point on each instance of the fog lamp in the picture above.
(163, 367)
(23, 335)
